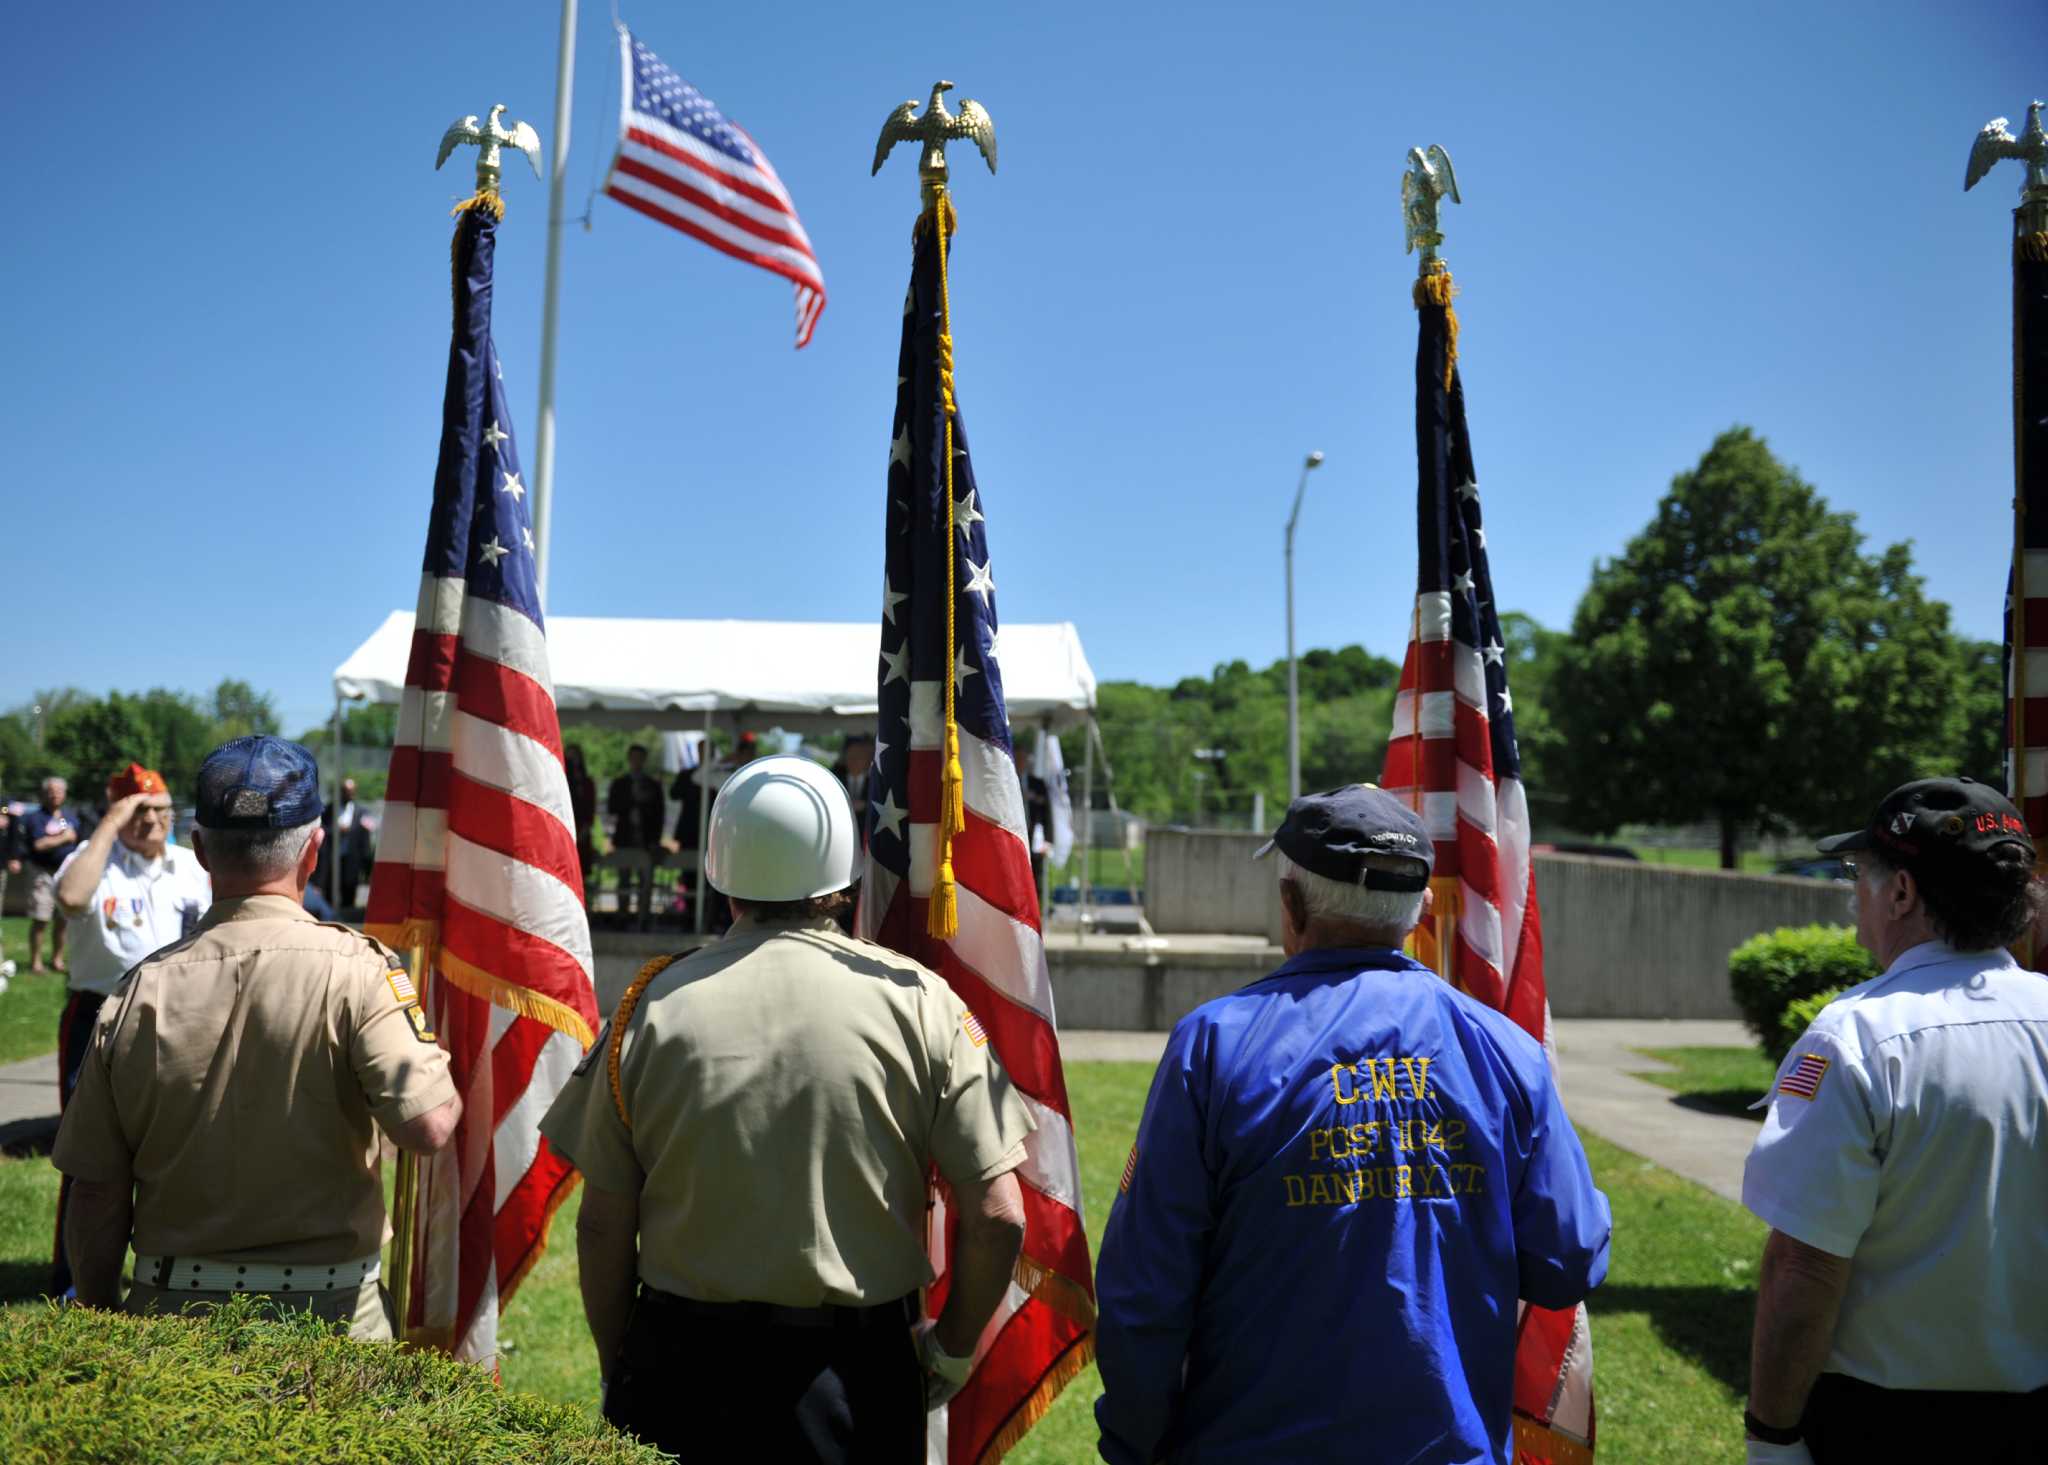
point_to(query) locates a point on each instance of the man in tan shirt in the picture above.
(763, 1114)
(227, 1111)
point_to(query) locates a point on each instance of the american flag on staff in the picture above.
(683, 162)
(2026, 616)
(477, 865)
(1043, 1333)
(1452, 752)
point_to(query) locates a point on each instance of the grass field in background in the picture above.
(1749, 862)
(31, 1005)
(1721, 1080)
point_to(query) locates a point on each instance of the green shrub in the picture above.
(1796, 1019)
(1768, 973)
(240, 1386)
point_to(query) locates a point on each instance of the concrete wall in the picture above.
(1620, 939)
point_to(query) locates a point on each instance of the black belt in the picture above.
(898, 1313)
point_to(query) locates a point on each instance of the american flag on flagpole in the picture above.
(684, 163)
(2026, 607)
(477, 865)
(1043, 1332)
(1452, 752)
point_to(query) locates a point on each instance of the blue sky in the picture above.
(226, 308)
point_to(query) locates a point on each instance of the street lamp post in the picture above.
(1308, 465)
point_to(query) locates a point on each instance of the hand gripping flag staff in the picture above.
(476, 875)
(948, 877)
(1452, 753)
(2026, 605)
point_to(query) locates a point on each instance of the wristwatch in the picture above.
(1770, 1434)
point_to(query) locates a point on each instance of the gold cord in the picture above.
(942, 919)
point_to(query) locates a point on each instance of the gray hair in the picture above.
(1393, 912)
(256, 854)
(54, 781)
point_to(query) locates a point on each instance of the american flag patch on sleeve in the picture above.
(1123, 1186)
(1803, 1078)
(400, 982)
(976, 1034)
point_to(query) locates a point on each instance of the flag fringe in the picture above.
(1065, 1369)
(616, 1048)
(415, 934)
(513, 997)
(1057, 1291)
(2030, 249)
(1436, 288)
(540, 1245)
(1546, 1444)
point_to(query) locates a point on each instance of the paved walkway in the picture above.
(1599, 1066)
(28, 1104)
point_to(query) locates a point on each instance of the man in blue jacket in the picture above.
(1346, 1174)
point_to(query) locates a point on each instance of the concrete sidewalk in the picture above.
(1598, 1064)
(28, 1105)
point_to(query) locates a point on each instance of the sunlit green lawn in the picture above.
(1670, 1328)
(30, 1006)
(1721, 1080)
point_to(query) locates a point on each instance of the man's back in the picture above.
(1354, 1172)
(237, 1075)
(1909, 1129)
(787, 1089)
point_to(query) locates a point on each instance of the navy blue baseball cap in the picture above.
(258, 782)
(1330, 834)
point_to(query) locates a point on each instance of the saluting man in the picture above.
(229, 1103)
(124, 893)
(763, 1115)
(1345, 1176)
(1902, 1306)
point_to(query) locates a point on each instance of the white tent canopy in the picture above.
(802, 675)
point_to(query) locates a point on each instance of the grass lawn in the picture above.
(1749, 862)
(30, 1006)
(1719, 1080)
(1670, 1328)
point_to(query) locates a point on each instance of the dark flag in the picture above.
(2026, 618)
(1452, 753)
(948, 877)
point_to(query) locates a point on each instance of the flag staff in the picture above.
(550, 314)
(2029, 402)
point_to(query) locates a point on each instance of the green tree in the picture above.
(1744, 662)
(180, 735)
(239, 709)
(89, 741)
(1981, 754)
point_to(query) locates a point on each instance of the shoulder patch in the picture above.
(1123, 1186)
(1802, 1079)
(976, 1034)
(399, 980)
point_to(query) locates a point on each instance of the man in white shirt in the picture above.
(1902, 1308)
(125, 893)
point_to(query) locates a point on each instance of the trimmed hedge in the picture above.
(239, 1385)
(1767, 974)
(1797, 1018)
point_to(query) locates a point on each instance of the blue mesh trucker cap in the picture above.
(258, 782)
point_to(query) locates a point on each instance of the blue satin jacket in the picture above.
(1345, 1176)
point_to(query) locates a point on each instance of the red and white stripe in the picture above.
(2027, 691)
(996, 963)
(742, 211)
(478, 865)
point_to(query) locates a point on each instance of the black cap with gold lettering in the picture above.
(1330, 834)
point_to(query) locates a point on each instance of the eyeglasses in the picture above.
(153, 811)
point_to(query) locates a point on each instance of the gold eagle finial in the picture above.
(934, 130)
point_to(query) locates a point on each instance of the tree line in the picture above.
(1745, 661)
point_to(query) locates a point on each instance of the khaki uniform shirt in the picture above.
(234, 1077)
(787, 1089)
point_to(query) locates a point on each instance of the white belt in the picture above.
(204, 1274)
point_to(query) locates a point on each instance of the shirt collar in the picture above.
(1938, 953)
(1346, 959)
(136, 863)
(254, 908)
(752, 928)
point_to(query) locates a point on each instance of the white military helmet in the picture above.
(781, 829)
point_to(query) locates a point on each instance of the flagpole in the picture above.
(544, 443)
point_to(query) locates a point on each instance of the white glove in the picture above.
(944, 1375)
(1795, 1453)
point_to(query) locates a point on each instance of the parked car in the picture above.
(1579, 847)
(1815, 867)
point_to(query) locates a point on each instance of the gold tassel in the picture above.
(942, 914)
(942, 917)
(489, 199)
(1435, 288)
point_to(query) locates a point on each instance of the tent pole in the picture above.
(1087, 824)
(334, 855)
(703, 819)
